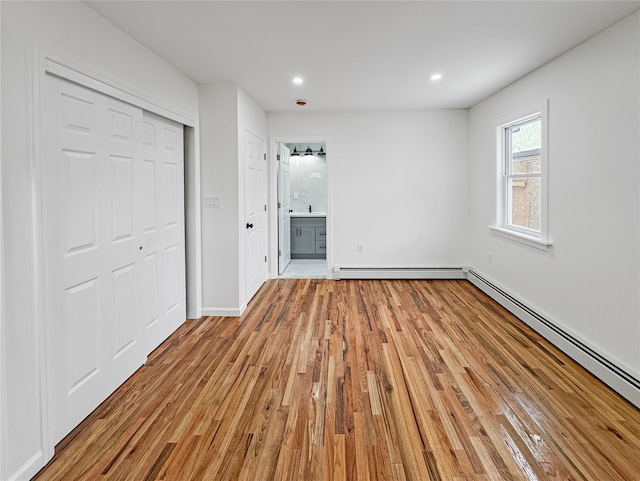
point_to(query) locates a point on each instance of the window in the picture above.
(522, 185)
(522, 170)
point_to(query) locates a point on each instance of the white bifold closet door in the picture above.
(113, 208)
(162, 184)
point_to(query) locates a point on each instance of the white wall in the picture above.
(79, 33)
(2, 334)
(219, 177)
(225, 112)
(397, 184)
(589, 283)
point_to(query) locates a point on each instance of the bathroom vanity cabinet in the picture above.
(308, 237)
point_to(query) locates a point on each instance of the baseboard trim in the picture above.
(29, 469)
(223, 311)
(398, 273)
(615, 376)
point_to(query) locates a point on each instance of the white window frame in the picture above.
(501, 226)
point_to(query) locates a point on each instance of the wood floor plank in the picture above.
(357, 380)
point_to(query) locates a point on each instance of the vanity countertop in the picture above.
(308, 214)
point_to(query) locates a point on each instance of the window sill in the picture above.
(535, 242)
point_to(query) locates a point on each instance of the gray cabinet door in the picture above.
(303, 240)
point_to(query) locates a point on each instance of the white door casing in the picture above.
(274, 224)
(95, 198)
(255, 225)
(284, 207)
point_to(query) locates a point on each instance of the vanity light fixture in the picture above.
(308, 151)
(321, 152)
(295, 152)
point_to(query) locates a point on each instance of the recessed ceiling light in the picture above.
(298, 80)
(436, 76)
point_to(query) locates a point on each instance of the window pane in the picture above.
(524, 197)
(523, 142)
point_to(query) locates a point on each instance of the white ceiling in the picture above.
(362, 55)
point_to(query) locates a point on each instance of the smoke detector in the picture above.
(301, 102)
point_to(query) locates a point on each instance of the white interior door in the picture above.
(163, 293)
(103, 266)
(284, 208)
(255, 214)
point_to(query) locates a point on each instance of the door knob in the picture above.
(249, 226)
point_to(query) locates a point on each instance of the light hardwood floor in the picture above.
(357, 380)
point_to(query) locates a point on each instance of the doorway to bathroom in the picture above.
(302, 202)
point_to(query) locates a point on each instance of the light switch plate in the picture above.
(212, 202)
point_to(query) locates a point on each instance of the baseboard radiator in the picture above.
(398, 273)
(623, 382)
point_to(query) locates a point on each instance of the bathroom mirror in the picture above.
(308, 174)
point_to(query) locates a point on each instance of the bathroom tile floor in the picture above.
(306, 268)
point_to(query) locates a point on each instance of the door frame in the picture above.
(273, 197)
(46, 61)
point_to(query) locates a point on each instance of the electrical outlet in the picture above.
(360, 248)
